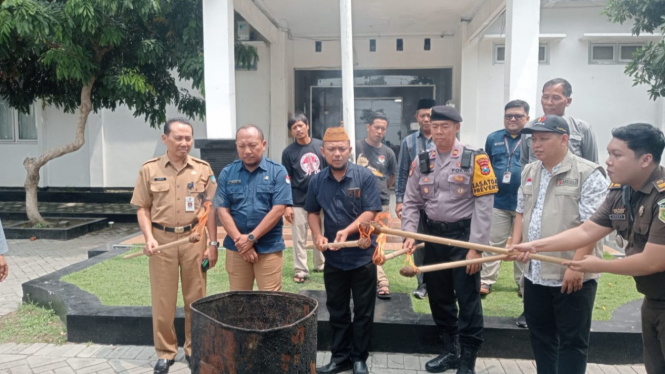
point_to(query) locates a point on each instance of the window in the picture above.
(15, 126)
(626, 52)
(611, 53)
(500, 54)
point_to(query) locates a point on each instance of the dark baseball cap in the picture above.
(548, 123)
(445, 113)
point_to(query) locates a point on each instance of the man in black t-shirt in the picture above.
(381, 161)
(302, 160)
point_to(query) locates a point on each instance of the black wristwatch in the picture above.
(215, 244)
(251, 237)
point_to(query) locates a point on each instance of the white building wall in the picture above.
(603, 95)
(443, 54)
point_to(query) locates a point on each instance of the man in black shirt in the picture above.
(381, 161)
(302, 160)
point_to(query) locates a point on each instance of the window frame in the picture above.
(496, 61)
(617, 60)
(15, 128)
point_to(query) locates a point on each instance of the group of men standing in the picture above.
(540, 178)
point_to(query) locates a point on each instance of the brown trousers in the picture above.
(165, 268)
(267, 272)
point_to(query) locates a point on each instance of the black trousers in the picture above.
(419, 256)
(447, 288)
(653, 335)
(351, 339)
(559, 326)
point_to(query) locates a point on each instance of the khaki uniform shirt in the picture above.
(648, 210)
(164, 189)
(448, 194)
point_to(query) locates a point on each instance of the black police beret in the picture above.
(445, 113)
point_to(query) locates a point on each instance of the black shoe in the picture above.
(450, 357)
(189, 364)
(521, 321)
(360, 367)
(421, 291)
(162, 366)
(334, 367)
(467, 362)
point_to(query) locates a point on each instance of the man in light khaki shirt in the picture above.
(169, 193)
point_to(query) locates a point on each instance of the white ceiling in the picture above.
(320, 18)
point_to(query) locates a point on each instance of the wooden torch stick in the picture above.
(402, 251)
(362, 243)
(164, 247)
(459, 264)
(458, 243)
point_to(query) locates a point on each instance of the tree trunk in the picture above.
(33, 164)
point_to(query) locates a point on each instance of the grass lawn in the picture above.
(126, 282)
(32, 324)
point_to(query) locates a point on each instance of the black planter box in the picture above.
(80, 227)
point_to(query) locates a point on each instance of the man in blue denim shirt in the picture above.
(347, 194)
(503, 147)
(251, 198)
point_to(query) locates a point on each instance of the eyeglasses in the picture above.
(517, 117)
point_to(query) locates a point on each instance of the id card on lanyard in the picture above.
(507, 174)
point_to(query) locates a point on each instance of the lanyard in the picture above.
(510, 154)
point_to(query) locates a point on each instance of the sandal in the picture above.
(299, 279)
(383, 292)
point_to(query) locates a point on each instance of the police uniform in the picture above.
(454, 194)
(174, 198)
(639, 218)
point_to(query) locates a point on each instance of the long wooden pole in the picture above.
(162, 247)
(459, 264)
(402, 251)
(458, 243)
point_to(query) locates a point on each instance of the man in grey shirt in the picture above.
(556, 98)
(4, 268)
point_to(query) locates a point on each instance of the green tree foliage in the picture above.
(648, 16)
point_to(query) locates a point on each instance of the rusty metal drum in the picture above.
(256, 332)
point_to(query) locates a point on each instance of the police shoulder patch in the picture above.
(614, 186)
(660, 184)
(484, 181)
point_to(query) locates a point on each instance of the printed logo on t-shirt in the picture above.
(310, 163)
(382, 159)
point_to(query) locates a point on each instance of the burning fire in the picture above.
(202, 217)
(383, 219)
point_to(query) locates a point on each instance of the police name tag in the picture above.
(189, 204)
(506, 177)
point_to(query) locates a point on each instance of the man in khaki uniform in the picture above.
(169, 192)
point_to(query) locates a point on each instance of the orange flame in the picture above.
(384, 220)
(202, 217)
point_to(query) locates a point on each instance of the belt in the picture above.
(447, 227)
(176, 230)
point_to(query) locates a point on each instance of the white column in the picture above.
(279, 97)
(348, 99)
(219, 73)
(521, 64)
(469, 89)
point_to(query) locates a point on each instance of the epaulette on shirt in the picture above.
(204, 162)
(614, 186)
(660, 184)
(151, 160)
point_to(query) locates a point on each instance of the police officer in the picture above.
(635, 208)
(252, 196)
(453, 186)
(168, 193)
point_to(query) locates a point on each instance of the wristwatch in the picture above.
(215, 244)
(251, 237)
